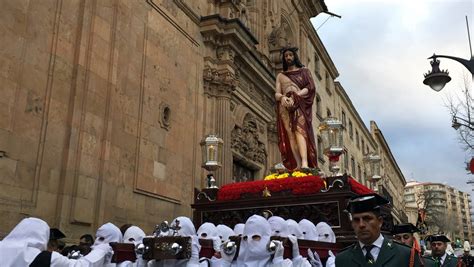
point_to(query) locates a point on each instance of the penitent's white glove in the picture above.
(216, 243)
(194, 260)
(331, 262)
(294, 246)
(314, 259)
(226, 260)
(278, 256)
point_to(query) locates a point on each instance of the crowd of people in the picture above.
(33, 243)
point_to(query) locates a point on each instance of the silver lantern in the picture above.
(211, 147)
(372, 164)
(331, 134)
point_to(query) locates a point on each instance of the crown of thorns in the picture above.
(288, 48)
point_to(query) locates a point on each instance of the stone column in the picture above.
(223, 129)
(219, 86)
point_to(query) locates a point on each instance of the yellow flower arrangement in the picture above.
(271, 176)
(283, 175)
(295, 174)
(299, 174)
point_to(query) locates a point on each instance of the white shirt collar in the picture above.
(444, 257)
(378, 242)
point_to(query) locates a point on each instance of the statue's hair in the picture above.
(296, 58)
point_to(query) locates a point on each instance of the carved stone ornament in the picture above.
(280, 36)
(165, 116)
(225, 53)
(245, 141)
(219, 82)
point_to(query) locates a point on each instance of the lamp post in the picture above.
(211, 147)
(436, 78)
(372, 163)
(331, 133)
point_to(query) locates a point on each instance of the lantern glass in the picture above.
(331, 133)
(211, 150)
(373, 163)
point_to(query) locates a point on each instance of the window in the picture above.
(328, 83)
(318, 106)
(317, 66)
(359, 174)
(350, 129)
(346, 161)
(357, 139)
(363, 145)
(328, 112)
(343, 116)
(353, 166)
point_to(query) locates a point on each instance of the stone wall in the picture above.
(104, 103)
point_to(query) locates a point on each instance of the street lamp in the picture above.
(372, 162)
(211, 147)
(331, 133)
(436, 78)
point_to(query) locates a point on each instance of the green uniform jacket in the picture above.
(391, 255)
(450, 261)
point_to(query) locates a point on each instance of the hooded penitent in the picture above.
(309, 230)
(279, 226)
(253, 247)
(224, 232)
(106, 234)
(239, 229)
(24, 243)
(325, 233)
(294, 228)
(133, 235)
(209, 231)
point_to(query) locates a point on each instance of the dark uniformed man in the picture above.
(467, 259)
(438, 245)
(404, 234)
(55, 243)
(372, 249)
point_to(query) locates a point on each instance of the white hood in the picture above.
(253, 252)
(239, 229)
(294, 228)
(279, 226)
(133, 235)
(224, 232)
(325, 233)
(309, 230)
(20, 247)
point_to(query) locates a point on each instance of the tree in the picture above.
(462, 112)
(436, 215)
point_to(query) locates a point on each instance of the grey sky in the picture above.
(380, 49)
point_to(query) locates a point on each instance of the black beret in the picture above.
(55, 234)
(366, 203)
(434, 238)
(404, 228)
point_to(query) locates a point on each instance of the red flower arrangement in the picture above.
(298, 186)
(358, 188)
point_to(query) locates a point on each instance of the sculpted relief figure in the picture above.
(295, 91)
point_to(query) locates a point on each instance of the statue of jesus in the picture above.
(294, 95)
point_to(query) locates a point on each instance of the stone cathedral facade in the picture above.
(104, 103)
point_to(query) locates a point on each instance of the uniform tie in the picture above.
(437, 261)
(368, 256)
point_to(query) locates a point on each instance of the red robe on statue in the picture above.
(300, 118)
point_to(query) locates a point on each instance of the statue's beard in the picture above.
(291, 63)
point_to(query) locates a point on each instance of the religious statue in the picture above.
(295, 91)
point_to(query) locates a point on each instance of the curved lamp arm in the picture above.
(469, 64)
